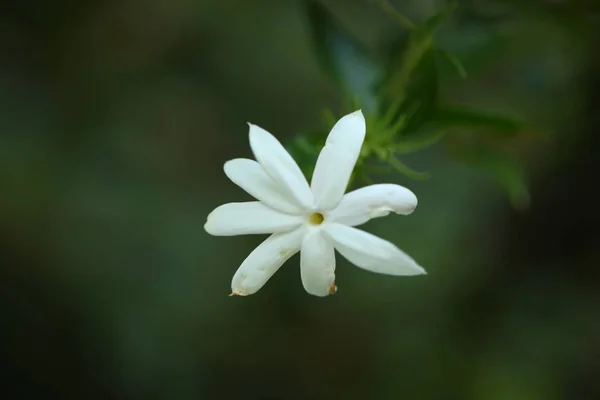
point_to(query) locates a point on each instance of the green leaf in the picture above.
(450, 116)
(417, 144)
(413, 76)
(342, 56)
(432, 23)
(504, 169)
(410, 60)
(455, 62)
(420, 42)
(401, 19)
(508, 172)
(406, 170)
(305, 149)
(417, 102)
(422, 93)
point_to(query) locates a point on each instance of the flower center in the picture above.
(316, 219)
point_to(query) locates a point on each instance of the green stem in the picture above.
(406, 170)
(400, 18)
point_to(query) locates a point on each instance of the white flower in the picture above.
(313, 219)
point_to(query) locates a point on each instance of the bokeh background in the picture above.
(116, 117)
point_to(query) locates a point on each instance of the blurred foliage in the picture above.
(401, 99)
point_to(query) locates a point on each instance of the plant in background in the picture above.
(403, 114)
(399, 95)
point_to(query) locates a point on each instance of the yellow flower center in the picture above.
(316, 219)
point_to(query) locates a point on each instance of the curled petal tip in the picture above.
(407, 211)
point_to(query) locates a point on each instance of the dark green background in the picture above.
(115, 120)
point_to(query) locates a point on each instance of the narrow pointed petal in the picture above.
(337, 159)
(250, 176)
(361, 205)
(280, 166)
(248, 218)
(317, 265)
(370, 252)
(264, 261)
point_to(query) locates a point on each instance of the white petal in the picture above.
(280, 166)
(359, 206)
(264, 261)
(247, 218)
(337, 160)
(317, 265)
(370, 252)
(250, 176)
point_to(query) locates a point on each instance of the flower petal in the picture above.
(248, 218)
(250, 176)
(317, 265)
(359, 206)
(280, 166)
(264, 261)
(337, 159)
(370, 252)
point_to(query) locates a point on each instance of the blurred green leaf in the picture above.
(400, 18)
(451, 116)
(426, 140)
(410, 59)
(422, 94)
(454, 61)
(419, 43)
(432, 23)
(342, 56)
(417, 102)
(305, 149)
(406, 170)
(506, 170)
(413, 75)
